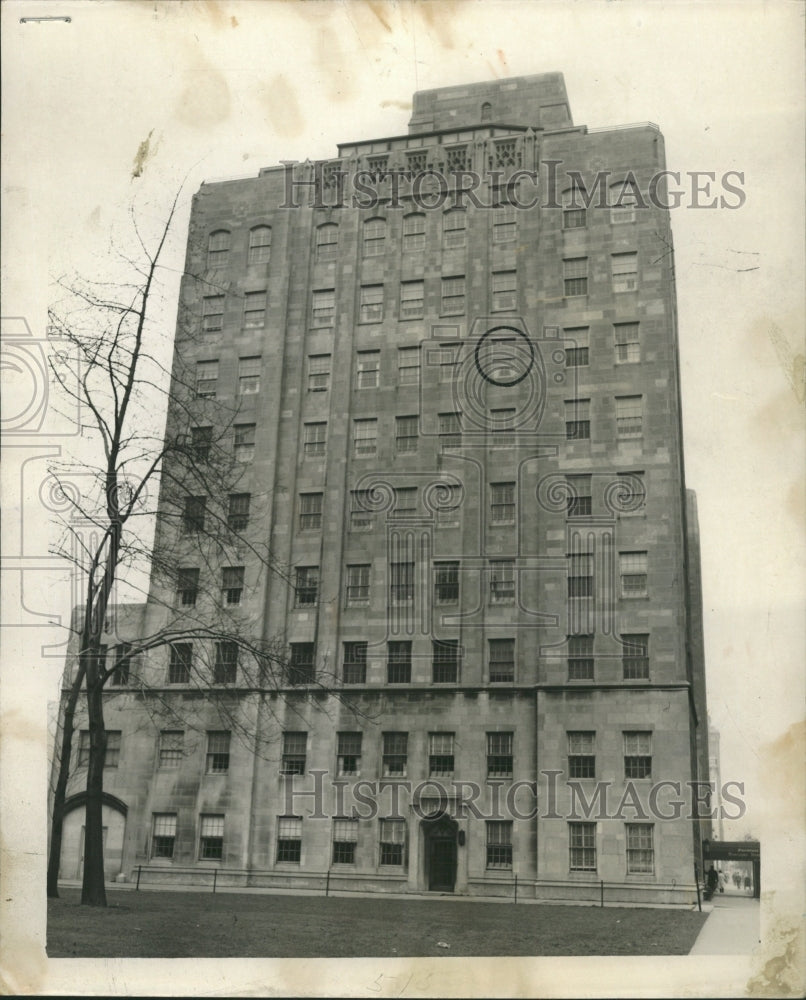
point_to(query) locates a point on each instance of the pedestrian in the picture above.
(711, 882)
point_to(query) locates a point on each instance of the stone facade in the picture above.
(536, 530)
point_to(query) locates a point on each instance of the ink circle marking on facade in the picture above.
(504, 383)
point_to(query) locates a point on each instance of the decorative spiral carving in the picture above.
(59, 496)
(625, 494)
(554, 491)
(375, 495)
(441, 495)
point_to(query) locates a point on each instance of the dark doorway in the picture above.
(440, 853)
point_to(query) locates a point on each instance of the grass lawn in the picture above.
(192, 924)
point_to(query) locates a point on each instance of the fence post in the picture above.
(601, 892)
(139, 869)
(516, 888)
(215, 877)
(327, 883)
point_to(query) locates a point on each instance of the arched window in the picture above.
(486, 112)
(259, 245)
(327, 241)
(454, 224)
(374, 237)
(574, 211)
(414, 231)
(218, 248)
(622, 201)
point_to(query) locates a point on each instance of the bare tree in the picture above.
(109, 365)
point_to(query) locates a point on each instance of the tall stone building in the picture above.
(447, 366)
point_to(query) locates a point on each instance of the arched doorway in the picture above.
(113, 812)
(440, 840)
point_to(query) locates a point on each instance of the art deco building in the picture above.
(446, 363)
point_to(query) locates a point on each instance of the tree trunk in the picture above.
(57, 823)
(93, 890)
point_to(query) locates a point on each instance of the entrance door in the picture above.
(441, 864)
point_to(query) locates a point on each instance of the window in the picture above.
(446, 583)
(502, 503)
(315, 437)
(637, 755)
(448, 509)
(580, 574)
(355, 663)
(630, 494)
(499, 755)
(254, 311)
(502, 661)
(623, 200)
(323, 306)
(122, 654)
(327, 241)
(348, 753)
(414, 232)
(306, 586)
(445, 661)
(502, 424)
(212, 313)
(398, 662)
(580, 658)
(486, 112)
(259, 245)
(368, 369)
(295, 746)
(393, 841)
(301, 669)
(578, 355)
(408, 365)
(248, 376)
(244, 442)
(640, 848)
(629, 416)
(406, 433)
(405, 501)
(289, 839)
(412, 300)
(365, 438)
(458, 158)
(453, 296)
(318, 372)
(360, 510)
(574, 218)
(504, 224)
(628, 346)
(238, 511)
(505, 295)
(625, 271)
(180, 662)
(506, 153)
(112, 755)
(218, 248)
(402, 582)
(374, 237)
(187, 585)
(232, 584)
(575, 276)
(345, 838)
(225, 666)
(217, 759)
(582, 847)
(377, 167)
(194, 514)
(454, 230)
(446, 355)
(206, 379)
(358, 584)
(577, 419)
(171, 748)
(450, 430)
(581, 754)
(635, 656)
(201, 440)
(310, 511)
(440, 755)
(502, 581)
(371, 309)
(395, 754)
(580, 502)
(499, 844)
(163, 835)
(417, 161)
(211, 837)
(633, 573)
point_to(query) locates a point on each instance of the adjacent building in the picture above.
(446, 365)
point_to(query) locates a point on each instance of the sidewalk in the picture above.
(732, 928)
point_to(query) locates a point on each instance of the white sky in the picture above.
(223, 89)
